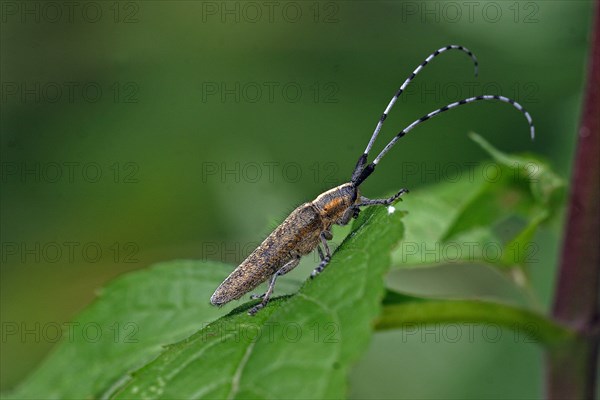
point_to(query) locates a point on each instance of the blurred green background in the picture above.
(136, 132)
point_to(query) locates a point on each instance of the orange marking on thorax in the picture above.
(334, 203)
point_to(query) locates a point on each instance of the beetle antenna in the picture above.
(363, 158)
(369, 168)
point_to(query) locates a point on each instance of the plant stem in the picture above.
(525, 323)
(571, 370)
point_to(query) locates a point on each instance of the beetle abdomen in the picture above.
(297, 235)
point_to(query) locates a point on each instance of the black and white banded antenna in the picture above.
(363, 159)
(367, 170)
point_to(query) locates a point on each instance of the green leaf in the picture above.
(489, 215)
(126, 327)
(297, 347)
(402, 312)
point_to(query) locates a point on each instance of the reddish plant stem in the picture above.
(572, 369)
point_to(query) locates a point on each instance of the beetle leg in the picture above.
(267, 295)
(324, 259)
(384, 202)
(321, 256)
(351, 212)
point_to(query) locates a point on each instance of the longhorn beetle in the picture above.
(308, 226)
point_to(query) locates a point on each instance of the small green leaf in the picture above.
(126, 327)
(297, 347)
(488, 216)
